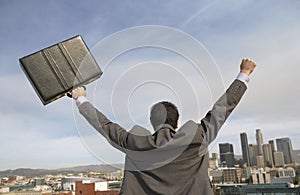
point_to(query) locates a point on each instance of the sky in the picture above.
(187, 52)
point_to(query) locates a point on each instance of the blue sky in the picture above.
(56, 136)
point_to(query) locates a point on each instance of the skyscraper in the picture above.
(268, 158)
(278, 159)
(284, 145)
(253, 153)
(271, 142)
(226, 154)
(259, 141)
(245, 148)
(260, 161)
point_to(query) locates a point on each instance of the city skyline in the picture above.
(269, 156)
(54, 136)
(253, 141)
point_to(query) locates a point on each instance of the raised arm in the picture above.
(114, 133)
(217, 116)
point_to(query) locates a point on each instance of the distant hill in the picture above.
(78, 169)
(26, 172)
(96, 168)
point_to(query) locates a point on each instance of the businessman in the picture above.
(172, 160)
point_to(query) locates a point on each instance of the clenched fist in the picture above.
(80, 91)
(247, 66)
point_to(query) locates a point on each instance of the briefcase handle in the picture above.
(69, 94)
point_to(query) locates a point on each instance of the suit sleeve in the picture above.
(114, 133)
(217, 116)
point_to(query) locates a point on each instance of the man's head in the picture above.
(164, 113)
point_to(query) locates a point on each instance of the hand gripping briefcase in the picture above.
(56, 70)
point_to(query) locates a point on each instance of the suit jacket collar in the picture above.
(165, 126)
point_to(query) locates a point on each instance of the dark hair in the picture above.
(164, 113)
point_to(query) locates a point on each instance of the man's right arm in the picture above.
(113, 132)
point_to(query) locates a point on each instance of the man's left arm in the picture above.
(221, 110)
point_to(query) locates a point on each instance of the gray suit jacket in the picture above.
(167, 162)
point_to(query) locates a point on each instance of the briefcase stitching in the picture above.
(54, 67)
(71, 62)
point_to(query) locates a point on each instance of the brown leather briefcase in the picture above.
(56, 70)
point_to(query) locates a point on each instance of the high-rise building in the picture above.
(245, 148)
(226, 154)
(213, 162)
(260, 161)
(259, 141)
(278, 159)
(253, 153)
(284, 145)
(268, 158)
(272, 144)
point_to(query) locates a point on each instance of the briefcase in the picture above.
(56, 70)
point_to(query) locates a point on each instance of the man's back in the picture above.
(186, 173)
